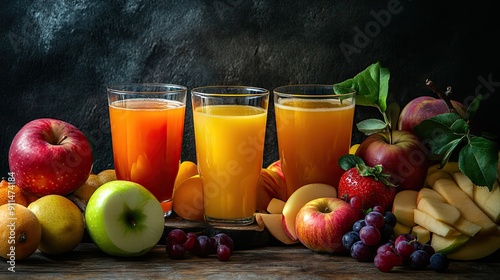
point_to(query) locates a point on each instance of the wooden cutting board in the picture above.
(244, 237)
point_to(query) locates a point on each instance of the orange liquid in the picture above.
(147, 142)
(229, 147)
(312, 136)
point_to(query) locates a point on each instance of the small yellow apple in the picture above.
(62, 223)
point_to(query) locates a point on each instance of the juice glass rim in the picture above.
(285, 91)
(229, 91)
(146, 88)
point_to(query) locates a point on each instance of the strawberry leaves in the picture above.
(349, 161)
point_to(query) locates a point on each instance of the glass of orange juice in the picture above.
(229, 125)
(314, 129)
(147, 126)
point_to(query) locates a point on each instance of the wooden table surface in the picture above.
(266, 262)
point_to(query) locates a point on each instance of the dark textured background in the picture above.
(58, 56)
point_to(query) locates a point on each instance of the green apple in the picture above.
(124, 219)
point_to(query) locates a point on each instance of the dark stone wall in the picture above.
(58, 56)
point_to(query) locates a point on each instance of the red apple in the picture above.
(403, 156)
(321, 223)
(423, 108)
(49, 156)
(276, 167)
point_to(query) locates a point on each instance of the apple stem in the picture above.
(62, 139)
(443, 95)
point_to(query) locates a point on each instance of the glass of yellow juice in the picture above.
(147, 126)
(314, 129)
(229, 126)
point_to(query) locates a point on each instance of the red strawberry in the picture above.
(366, 182)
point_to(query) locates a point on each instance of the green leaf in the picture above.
(348, 161)
(371, 126)
(473, 107)
(393, 112)
(437, 134)
(448, 150)
(478, 160)
(371, 85)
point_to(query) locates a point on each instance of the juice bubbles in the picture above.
(312, 135)
(229, 149)
(147, 142)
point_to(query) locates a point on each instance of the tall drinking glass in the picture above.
(314, 129)
(229, 126)
(147, 125)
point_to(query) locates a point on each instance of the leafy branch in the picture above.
(449, 133)
(445, 134)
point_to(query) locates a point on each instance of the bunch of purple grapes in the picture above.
(372, 239)
(179, 243)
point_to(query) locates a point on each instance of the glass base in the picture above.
(229, 222)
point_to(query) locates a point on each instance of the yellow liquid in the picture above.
(229, 148)
(312, 136)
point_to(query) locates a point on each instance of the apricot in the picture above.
(19, 229)
(187, 200)
(187, 169)
(12, 193)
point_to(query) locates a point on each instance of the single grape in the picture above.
(176, 236)
(223, 252)
(375, 219)
(404, 237)
(390, 218)
(428, 248)
(370, 235)
(175, 251)
(362, 252)
(349, 238)
(404, 249)
(385, 261)
(419, 260)
(203, 246)
(190, 241)
(387, 233)
(387, 247)
(358, 225)
(224, 239)
(378, 209)
(356, 202)
(439, 262)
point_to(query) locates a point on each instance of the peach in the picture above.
(187, 200)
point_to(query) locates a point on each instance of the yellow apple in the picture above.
(62, 223)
